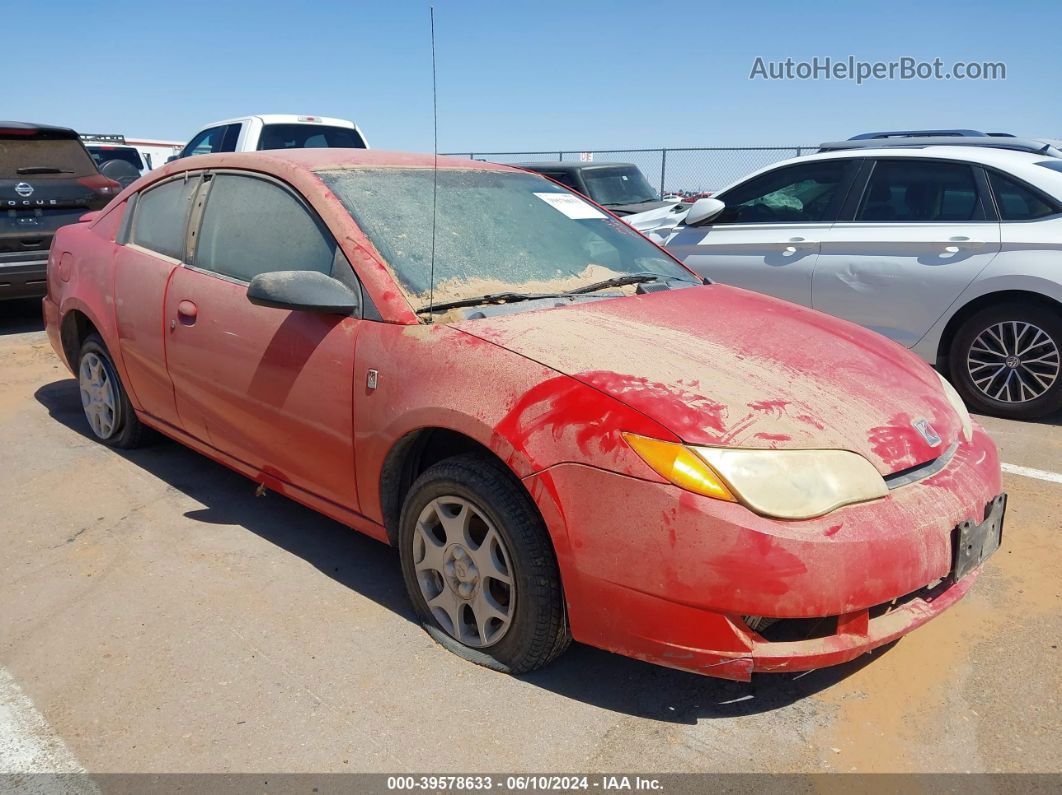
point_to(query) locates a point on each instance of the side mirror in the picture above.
(704, 210)
(307, 291)
(171, 158)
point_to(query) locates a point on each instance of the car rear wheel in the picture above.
(479, 566)
(1005, 361)
(107, 408)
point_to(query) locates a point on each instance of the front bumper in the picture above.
(660, 574)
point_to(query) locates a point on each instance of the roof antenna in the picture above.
(435, 170)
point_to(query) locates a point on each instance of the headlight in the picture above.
(786, 484)
(959, 406)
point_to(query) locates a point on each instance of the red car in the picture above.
(564, 432)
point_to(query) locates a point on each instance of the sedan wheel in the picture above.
(1007, 361)
(1013, 362)
(464, 572)
(98, 396)
(479, 565)
(107, 408)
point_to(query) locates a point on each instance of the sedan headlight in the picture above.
(959, 406)
(785, 484)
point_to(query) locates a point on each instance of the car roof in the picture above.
(284, 118)
(567, 165)
(30, 128)
(328, 158)
(1023, 164)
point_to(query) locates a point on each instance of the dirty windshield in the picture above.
(495, 231)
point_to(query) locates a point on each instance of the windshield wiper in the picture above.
(489, 298)
(42, 170)
(615, 281)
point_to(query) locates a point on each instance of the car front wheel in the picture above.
(1005, 361)
(479, 566)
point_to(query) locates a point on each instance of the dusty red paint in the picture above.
(648, 569)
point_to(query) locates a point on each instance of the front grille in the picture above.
(905, 477)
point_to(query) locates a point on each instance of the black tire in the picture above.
(538, 631)
(125, 430)
(1043, 318)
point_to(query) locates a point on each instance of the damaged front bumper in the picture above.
(660, 574)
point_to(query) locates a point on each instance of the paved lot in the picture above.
(156, 616)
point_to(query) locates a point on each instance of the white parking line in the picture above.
(1039, 474)
(28, 744)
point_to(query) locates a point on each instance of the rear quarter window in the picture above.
(160, 217)
(1018, 202)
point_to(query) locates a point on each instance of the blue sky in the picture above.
(517, 75)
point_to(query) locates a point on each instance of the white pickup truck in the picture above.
(274, 131)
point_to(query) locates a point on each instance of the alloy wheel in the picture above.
(1013, 362)
(464, 571)
(98, 395)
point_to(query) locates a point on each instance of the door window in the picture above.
(213, 139)
(806, 193)
(913, 191)
(160, 217)
(252, 226)
(1017, 202)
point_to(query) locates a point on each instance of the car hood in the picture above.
(722, 366)
(638, 207)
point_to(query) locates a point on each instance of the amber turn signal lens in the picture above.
(680, 466)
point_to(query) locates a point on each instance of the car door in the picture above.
(270, 387)
(150, 246)
(767, 237)
(919, 233)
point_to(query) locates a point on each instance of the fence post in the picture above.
(560, 155)
(663, 170)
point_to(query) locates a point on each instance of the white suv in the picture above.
(952, 247)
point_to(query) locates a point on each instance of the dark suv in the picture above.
(620, 187)
(47, 179)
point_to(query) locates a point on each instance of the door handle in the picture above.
(187, 312)
(953, 244)
(796, 243)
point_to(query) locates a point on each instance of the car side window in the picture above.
(805, 193)
(160, 217)
(917, 191)
(1017, 202)
(252, 226)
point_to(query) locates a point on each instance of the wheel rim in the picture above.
(464, 571)
(98, 395)
(1013, 362)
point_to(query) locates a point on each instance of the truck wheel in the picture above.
(480, 568)
(1005, 361)
(110, 415)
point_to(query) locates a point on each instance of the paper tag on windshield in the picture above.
(572, 206)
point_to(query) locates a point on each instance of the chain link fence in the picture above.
(672, 171)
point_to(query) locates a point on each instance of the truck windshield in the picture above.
(495, 231)
(309, 136)
(619, 185)
(43, 158)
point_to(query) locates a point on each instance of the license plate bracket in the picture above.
(973, 543)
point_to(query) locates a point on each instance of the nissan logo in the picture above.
(24, 189)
